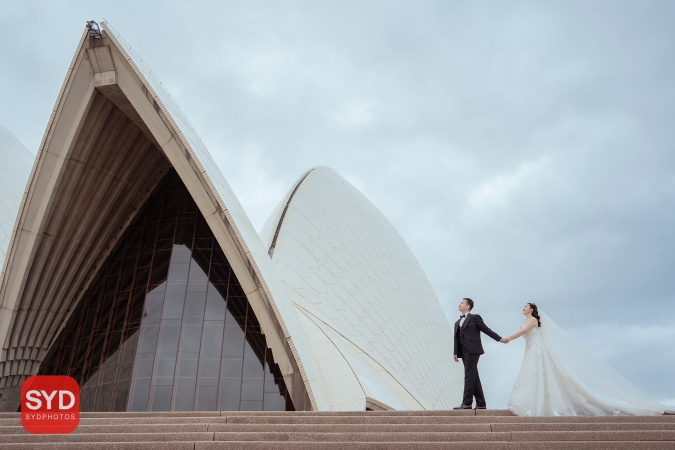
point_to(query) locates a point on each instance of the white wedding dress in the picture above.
(559, 377)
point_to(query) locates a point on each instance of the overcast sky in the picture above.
(524, 150)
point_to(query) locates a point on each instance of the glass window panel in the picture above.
(149, 339)
(212, 340)
(274, 402)
(195, 302)
(104, 397)
(175, 300)
(209, 368)
(185, 394)
(145, 364)
(144, 259)
(180, 255)
(178, 272)
(270, 385)
(104, 315)
(161, 398)
(87, 398)
(187, 364)
(250, 406)
(207, 398)
(191, 338)
(168, 347)
(120, 396)
(149, 238)
(202, 257)
(253, 367)
(207, 382)
(215, 304)
(202, 230)
(198, 286)
(166, 230)
(164, 244)
(128, 272)
(234, 341)
(252, 389)
(203, 243)
(171, 204)
(114, 266)
(166, 367)
(154, 303)
(185, 231)
(125, 371)
(137, 299)
(219, 273)
(161, 267)
(230, 389)
(236, 306)
(141, 394)
(231, 367)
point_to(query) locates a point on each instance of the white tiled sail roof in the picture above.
(15, 165)
(375, 325)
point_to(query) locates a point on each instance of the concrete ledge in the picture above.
(351, 445)
(364, 437)
(652, 435)
(105, 437)
(591, 445)
(103, 446)
(580, 426)
(351, 428)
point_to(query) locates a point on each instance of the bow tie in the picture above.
(461, 317)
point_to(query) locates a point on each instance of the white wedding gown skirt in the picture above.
(559, 377)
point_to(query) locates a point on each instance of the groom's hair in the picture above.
(469, 301)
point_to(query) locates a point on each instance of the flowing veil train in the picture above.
(560, 376)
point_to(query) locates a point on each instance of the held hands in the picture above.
(505, 340)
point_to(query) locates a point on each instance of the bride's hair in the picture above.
(535, 313)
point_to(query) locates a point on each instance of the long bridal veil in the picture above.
(591, 386)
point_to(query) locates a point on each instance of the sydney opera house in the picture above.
(129, 264)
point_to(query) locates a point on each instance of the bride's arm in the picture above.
(531, 323)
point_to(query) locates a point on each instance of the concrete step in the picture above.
(445, 419)
(364, 437)
(257, 445)
(539, 436)
(105, 437)
(365, 419)
(127, 428)
(496, 429)
(576, 426)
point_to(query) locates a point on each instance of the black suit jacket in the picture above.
(469, 335)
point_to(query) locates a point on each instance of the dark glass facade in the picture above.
(166, 325)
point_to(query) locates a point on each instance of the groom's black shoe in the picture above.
(462, 407)
(480, 407)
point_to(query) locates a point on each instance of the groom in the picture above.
(469, 348)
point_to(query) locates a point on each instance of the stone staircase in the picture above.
(488, 429)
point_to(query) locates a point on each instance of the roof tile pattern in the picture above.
(355, 280)
(15, 166)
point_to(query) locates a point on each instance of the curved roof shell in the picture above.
(15, 166)
(375, 325)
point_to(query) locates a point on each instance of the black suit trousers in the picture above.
(472, 386)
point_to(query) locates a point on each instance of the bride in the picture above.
(559, 377)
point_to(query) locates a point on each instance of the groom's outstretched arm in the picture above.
(484, 328)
